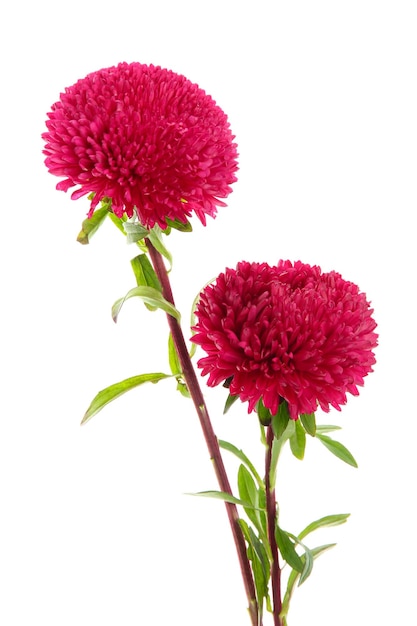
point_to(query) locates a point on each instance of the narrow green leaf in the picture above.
(183, 389)
(260, 568)
(308, 420)
(174, 362)
(260, 564)
(222, 495)
(144, 273)
(183, 228)
(248, 492)
(294, 576)
(114, 391)
(280, 419)
(225, 445)
(298, 441)
(308, 566)
(118, 222)
(328, 520)
(134, 231)
(338, 449)
(155, 237)
(150, 296)
(326, 428)
(229, 402)
(91, 224)
(264, 414)
(287, 549)
(246, 486)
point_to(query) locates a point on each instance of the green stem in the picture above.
(271, 511)
(210, 437)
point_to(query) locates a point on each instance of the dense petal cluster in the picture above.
(285, 332)
(147, 138)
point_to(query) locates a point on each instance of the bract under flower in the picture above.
(147, 138)
(286, 332)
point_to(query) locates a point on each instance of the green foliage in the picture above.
(287, 548)
(249, 492)
(175, 367)
(91, 224)
(225, 445)
(118, 222)
(222, 495)
(145, 275)
(150, 296)
(326, 428)
(328, 520)
(230, 400)
(183, 228)
(295, 576)
(298, 441)
(155, 237)
(134, 231)
(260, 563)
(307, 559)
(264, 414)
(114, 391)
(309, 423)
(338, 449)
(280, 419)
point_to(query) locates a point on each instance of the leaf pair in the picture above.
(302, 568)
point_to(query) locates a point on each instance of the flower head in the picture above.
(286, 332)
(147, 138)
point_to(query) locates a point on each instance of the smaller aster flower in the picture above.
(147, 138)
(288, 332)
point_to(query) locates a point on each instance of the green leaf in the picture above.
(287, 549)
(174, 362)
(114, 391)
(280, 419)
(328, 520)
(150, 296)
(326, 428)
(183, 228)
(91, 224)
(118, 221)
(225, 445)
(308, 566)
(298, 441)
(222, 495)
(183, 389)
(155, 237)
(338, 449)
(229, 402)
(294, 576)
(260, 564)
(248, 492)
(246, 486)
(134, 231)
(308, 420)
(144, 273)
(264, 414)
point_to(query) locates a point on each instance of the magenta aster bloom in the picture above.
(147, 138)
(287, 332)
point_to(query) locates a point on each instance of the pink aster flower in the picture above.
(287, 332)
(147, 138)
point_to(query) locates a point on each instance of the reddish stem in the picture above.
(271, 509)
(210, 437)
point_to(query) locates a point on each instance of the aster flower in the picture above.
(287, 332)
(147, 138)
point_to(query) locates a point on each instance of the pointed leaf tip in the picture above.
(114, 391)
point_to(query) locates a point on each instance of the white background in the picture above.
(95, 526)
